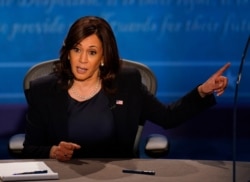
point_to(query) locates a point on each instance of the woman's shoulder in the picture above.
(42, 88)
(44, 81)
(129, 73)
(128, 77)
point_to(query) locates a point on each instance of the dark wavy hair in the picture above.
(82, 28)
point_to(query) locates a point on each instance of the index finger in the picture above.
(222, 69)
(76, 146)
(69, 145)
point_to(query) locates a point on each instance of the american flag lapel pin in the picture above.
(119, 102)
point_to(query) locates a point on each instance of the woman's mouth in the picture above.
(81, 70)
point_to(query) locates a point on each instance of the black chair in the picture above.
(156, 144)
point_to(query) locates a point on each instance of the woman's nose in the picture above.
(83, 58)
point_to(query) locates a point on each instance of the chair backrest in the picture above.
(148, 79)
(47, 67)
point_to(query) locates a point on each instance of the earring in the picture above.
(102, 64)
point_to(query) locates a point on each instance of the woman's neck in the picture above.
(84, 90)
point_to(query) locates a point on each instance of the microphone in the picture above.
(235, 105)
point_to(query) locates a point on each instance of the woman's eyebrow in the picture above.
(92, 46)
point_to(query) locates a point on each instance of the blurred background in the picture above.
(182, 41)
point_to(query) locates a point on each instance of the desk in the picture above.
(167, 170)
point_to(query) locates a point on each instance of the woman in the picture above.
(74, 113)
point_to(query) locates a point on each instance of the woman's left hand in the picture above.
(64, 151)
(217, 83)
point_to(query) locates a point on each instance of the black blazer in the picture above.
(47, 113)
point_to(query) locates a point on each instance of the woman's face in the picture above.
(86, 57)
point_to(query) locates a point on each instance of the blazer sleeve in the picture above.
(36, 144)
(173, 114)
(145, 106)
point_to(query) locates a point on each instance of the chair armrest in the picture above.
(16, 143)
(156, 145)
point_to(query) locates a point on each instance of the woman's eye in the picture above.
(76, 49)
(92, 52)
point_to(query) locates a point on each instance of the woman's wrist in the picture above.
(52, 153)
(201, 92)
